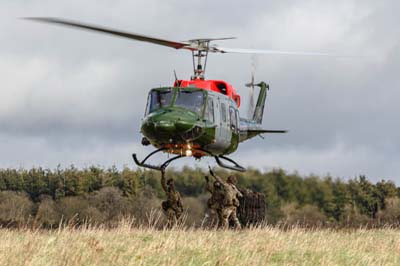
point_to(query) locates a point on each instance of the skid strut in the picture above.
(235, 166)
(218, 158)
(154, 167)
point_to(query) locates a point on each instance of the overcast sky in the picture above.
(75, 97)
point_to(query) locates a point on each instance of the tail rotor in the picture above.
(250, 85)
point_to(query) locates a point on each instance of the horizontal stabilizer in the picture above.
(261, 131)
(249, 133)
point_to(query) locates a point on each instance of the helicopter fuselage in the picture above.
(187, 120)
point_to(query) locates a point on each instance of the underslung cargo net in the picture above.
(252, 209)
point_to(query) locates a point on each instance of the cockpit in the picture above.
(159, 99)
(191, 99)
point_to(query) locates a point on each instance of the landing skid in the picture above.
(218, 158)
(235, 166)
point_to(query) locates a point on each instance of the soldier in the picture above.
(173, 205)
(229, 202)
(214, 203)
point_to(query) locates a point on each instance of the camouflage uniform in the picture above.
(214, 203)
(228, 202)
(173, 205)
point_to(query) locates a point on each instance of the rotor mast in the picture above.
(200, 52)
(199, 69)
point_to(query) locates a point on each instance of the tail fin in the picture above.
(262, 96)
(251, 128)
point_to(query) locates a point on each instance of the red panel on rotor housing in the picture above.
(212, 85)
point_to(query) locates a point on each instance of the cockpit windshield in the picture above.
(192, 100)
(159, 99)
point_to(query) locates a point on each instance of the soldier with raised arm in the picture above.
(172, 207)
(228, 201)
(215, 202)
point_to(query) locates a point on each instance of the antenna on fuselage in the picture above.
(176, 83)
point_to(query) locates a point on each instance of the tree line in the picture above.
(50, 197)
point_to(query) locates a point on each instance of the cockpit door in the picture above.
(221, 122)
(223, 131)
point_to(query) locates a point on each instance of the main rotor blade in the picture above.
(133, 36)
(257, 51)
(192, 45)
(211, 39)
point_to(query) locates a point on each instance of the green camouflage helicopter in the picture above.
(193, 121)
(196, 117)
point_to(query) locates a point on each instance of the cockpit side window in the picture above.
(233, 118)
(223, 112)
(159, 99)
(222, 87)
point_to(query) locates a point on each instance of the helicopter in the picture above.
(195, 117)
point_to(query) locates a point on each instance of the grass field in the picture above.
(264, 246)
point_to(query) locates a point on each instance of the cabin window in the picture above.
(210, 110)
(158, 99)
(232, 116)
(222, 88)
(223, 112)
(192, 100)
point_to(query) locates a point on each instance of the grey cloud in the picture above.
(87, 93)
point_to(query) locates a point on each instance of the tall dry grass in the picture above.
(128, 244)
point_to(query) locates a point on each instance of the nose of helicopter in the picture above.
(168, 124)
(164, 126)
